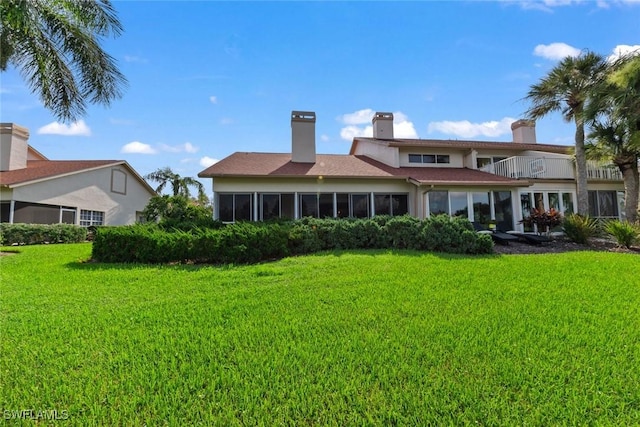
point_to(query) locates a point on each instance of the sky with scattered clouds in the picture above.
(210, 78)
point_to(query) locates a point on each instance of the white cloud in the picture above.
(622, 50)
(549, 5)
(207, 161)
(466, 129)
(137, 147)
(324, 137)
(359, 117)
(351, 131)
(213, 99)
(402, 127)
(78, 128)
(555, 51)
(187, 147)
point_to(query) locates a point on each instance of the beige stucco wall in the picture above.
(382, 153)
(90, 190)
(309, 185)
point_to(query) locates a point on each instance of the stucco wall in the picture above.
(382, 153)
(310, 185)
(91, 191)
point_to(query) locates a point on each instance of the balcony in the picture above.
(528, 167)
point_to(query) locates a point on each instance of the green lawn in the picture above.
(346, 338)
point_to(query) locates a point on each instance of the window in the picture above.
(603, 204)
(325, 205)
(342, 201)
(270, 206)
(415, 158)
(309, 205)
(399, 204)
(235, 207)
(429, 158)
(438, 202)
(89, 218)
(503, 210)
(481, 208)
(360, 205)
(459, 204)
(482, 162)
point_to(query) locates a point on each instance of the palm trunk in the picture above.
(631, 189)
(581, 167)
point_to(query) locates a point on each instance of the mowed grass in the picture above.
(345, 338)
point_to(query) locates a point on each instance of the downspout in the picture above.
(12, 208)
(421, 202)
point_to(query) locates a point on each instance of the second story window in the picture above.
(429, 158)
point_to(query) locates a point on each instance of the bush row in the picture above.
(251, 242)
(30, 234)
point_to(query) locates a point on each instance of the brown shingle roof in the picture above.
(45, 169)
(242, 164)
(440, 143)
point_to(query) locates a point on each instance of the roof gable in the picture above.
(42, 170)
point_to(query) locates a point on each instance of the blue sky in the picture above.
(209, 78)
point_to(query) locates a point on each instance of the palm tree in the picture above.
(566, 89)
(614, 117)
(55, 46)
(611, 141)
(179, 184)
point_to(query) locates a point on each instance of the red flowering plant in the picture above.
(544, 220)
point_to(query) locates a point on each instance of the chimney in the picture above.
(524, 131)
(383, 125)
(13, 147)
(303, 136)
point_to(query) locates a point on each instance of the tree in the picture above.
(611, 141)
(178, 212)
(566, 89)
(179, 184)
(55, 46)
(614, 117)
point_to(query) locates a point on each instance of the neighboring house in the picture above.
(484, 181)
(34, 189)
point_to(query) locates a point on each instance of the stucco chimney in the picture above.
(524, 131)
(303, 136)
(13, 147)
(383, 125)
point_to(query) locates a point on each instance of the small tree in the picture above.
(179, 184)
(178, 212)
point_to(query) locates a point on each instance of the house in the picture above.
(34, 189)
(497, 182)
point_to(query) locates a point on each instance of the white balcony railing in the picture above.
(549, 168)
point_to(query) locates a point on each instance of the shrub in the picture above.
(250, 242)
(579, 228)
(31, 234)
(179, 212)
(544, 220)
(402, 232)
(625, 233)
(443, 234)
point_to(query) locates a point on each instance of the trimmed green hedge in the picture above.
(32, 234)
(251, 242)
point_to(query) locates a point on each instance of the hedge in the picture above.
(31, 234)
(251, 242)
